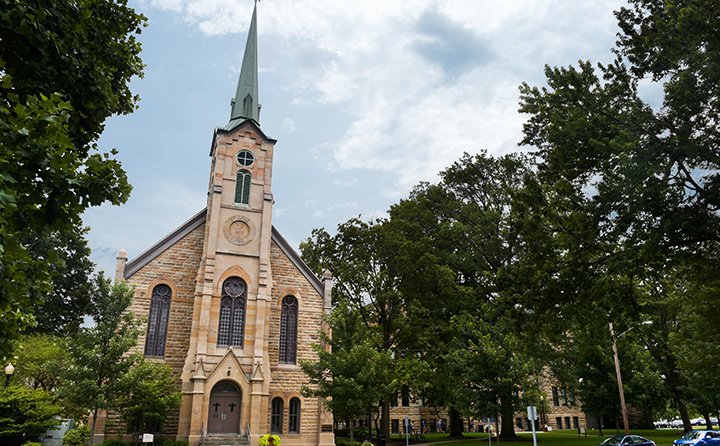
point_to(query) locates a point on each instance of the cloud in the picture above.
(420, 81)
(288, 125)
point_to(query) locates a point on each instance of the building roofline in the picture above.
(235, 123)
(193, 223)
(297, 261)
(158, 248)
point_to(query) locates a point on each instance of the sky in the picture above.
(365, 98)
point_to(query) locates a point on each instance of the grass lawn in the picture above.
(662, 437)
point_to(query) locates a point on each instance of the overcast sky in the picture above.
(366, 99)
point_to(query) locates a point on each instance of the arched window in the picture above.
(288, 330)
(242, 187)
(294, 416)
(158, 321)
(232, 312)
(276, 415)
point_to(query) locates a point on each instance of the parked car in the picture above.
(699, 438)
(627, 440)
(659, 424)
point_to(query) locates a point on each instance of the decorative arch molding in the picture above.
(289, 291)
(277, 394)
(234, 271)
(162, 280)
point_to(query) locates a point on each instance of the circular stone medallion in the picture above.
(239, 230)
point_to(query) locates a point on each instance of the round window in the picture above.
(245, 158)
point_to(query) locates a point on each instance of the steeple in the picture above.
(246, 105)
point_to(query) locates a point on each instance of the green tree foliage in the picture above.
(41, 361)
(359, 256)
(80, 436)
(463, 255)
(147, 393)
(25, 414)
(354, 376)
(643, 177)
(60, 311)
(100, 353)
(64, 69)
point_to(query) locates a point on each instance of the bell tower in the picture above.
(228, 345)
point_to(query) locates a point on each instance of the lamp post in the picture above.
(623, 406)
(9, 370)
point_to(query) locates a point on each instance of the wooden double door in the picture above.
(224, 411)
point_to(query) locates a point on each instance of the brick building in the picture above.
(230, 305)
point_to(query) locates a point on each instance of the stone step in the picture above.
(225, 440)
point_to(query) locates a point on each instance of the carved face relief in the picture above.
(239, 230)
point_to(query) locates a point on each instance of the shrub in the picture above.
(115, 442)
(170, 442)
(265, 440)
(80, 436)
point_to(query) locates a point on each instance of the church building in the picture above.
(229, 304)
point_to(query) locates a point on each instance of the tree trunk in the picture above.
(455, 423)
(682, 408)
(507, 412)
(708, 423)
(385, 420)
(94, 424)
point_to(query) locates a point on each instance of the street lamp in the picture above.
(9, 370)
(623, 406)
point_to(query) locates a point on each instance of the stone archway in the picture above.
(224, 409)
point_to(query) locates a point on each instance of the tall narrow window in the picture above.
(232, 312)
(294, 416)
(242, 187)
(288, 330)
(158, 321)
(276, 415)
(555, 396)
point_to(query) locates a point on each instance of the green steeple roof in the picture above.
(246, 105)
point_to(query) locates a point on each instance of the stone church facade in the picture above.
(230, 306)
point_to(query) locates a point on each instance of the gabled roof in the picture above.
(196, 221)
(158, 248)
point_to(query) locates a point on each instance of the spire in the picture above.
(246, 105)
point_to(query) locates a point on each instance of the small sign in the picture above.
(147, 438)
(532, 413)
(326, 428)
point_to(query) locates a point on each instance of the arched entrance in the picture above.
(224, 410)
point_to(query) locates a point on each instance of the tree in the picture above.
(645, 179)
(64, 69)
(463, 256)
(147, 393)
(41, 360)
(60, 311)
(101, 353)
(25, 414)
(354, 376)
(359, 256)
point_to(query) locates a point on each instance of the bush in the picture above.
(265, 440)
(80, 436)
(169, 442)
(32, 443)
(25, 414)
(115, 442)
